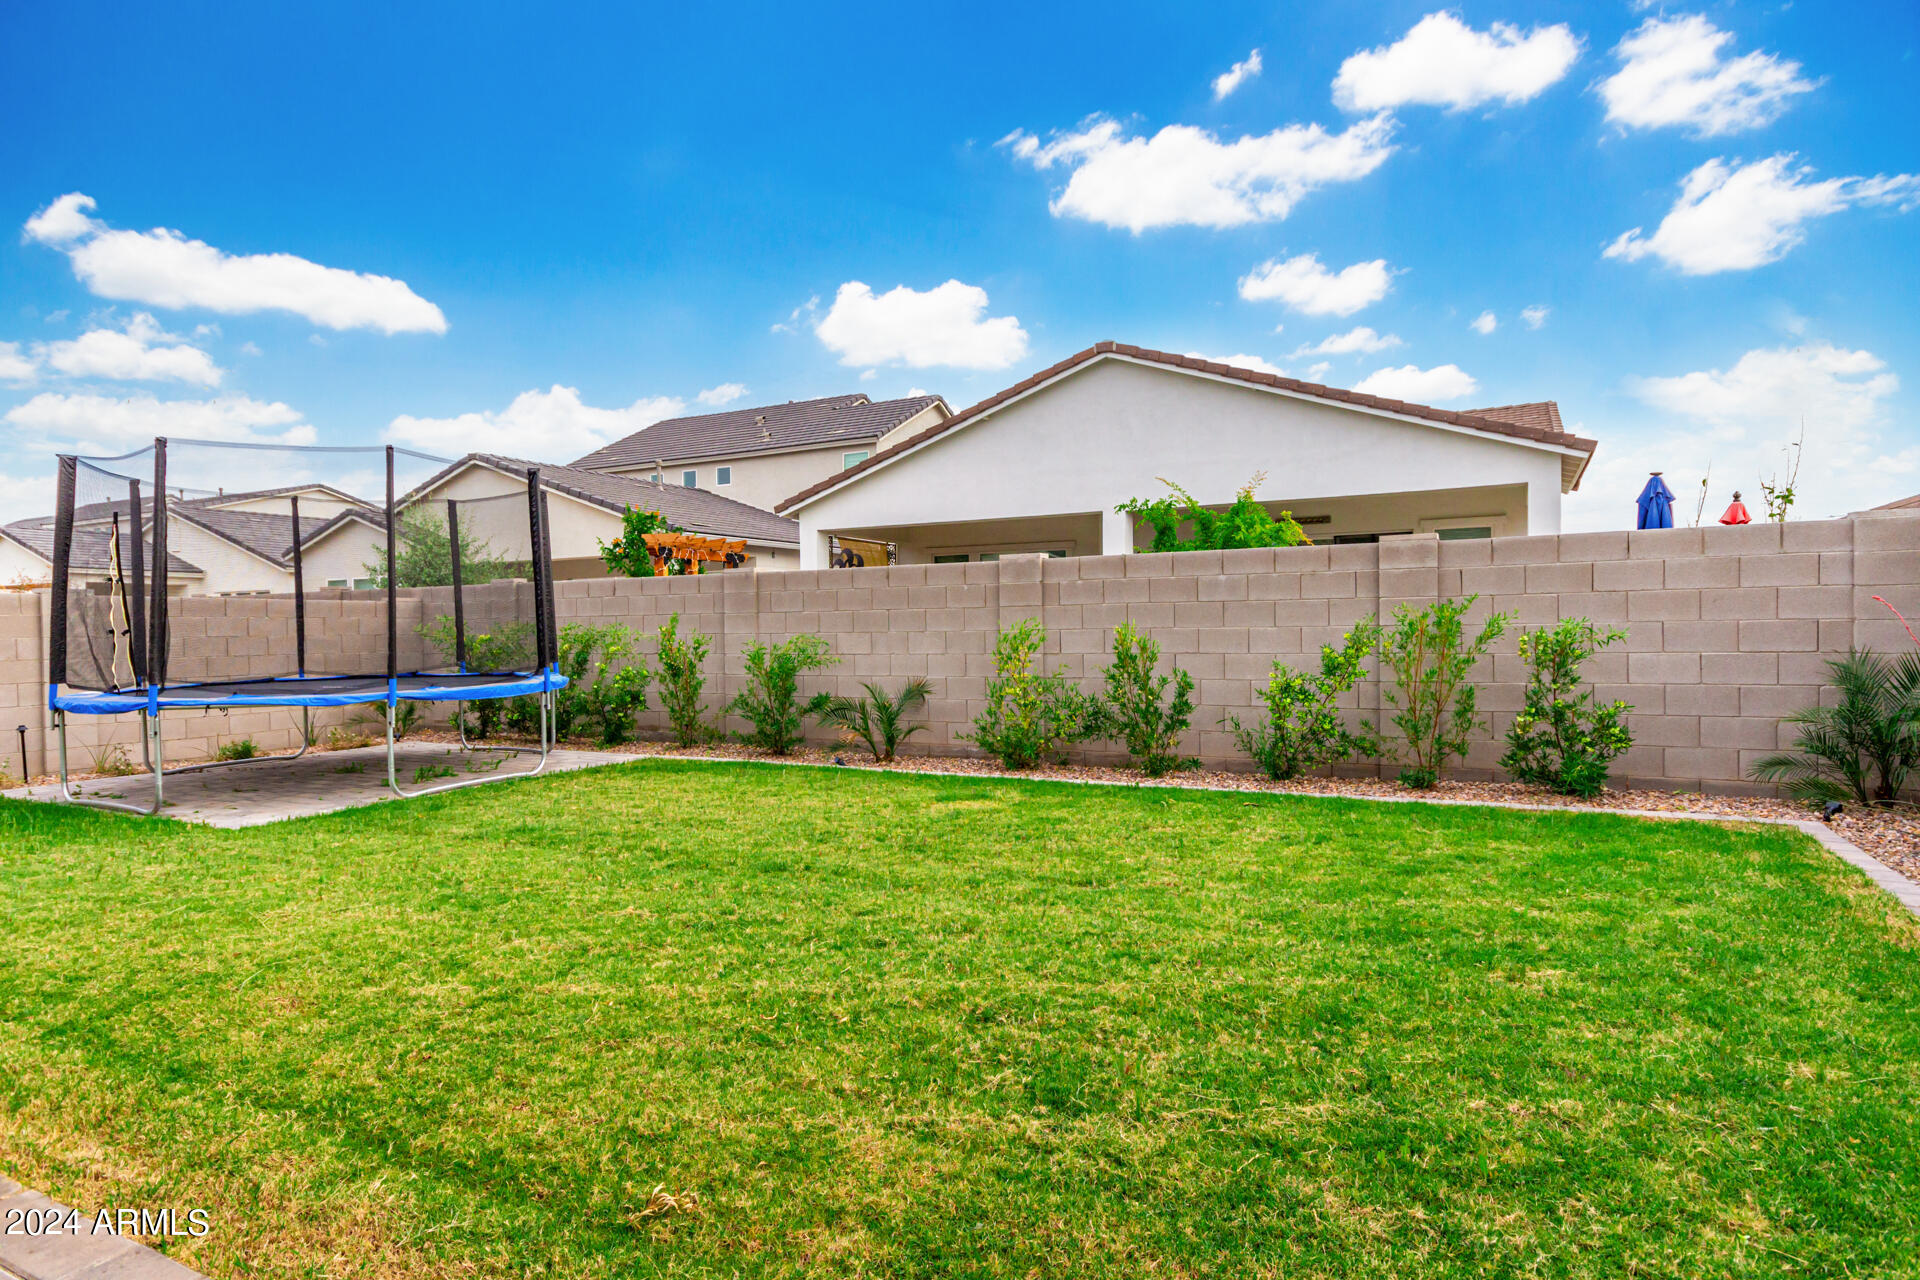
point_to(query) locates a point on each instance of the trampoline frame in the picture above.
(148, 647)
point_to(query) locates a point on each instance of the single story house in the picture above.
(760, 455)
(586, 508)
(1040, 466)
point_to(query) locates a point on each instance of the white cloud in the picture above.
(1421, 386)
(725, 393)
(1241, 361)
(1535, 316)
(24, 496)
(1733, 219)
(249, 348)
(1739, 420)
(538, 424)
(63, 221)
(1835, 391)
(1303, 284)
(946, 325)
(1236, 75)
(99, 424)
(140, 352)
(1317, 372)
(1184, 176)
(15, 365)
(800, 316)
(1361, 340)
(1673, 73)
(1442, 62)
(1485, 323)
(162, 268)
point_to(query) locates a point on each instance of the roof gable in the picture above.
(1529, 429)
(773, 428)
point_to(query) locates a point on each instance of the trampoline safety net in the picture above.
(159, 558)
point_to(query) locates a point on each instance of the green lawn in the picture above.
(895, 1025)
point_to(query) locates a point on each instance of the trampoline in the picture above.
(457, 607)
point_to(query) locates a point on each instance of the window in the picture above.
(1468, 531)
(854, 458)
(655, 477)
(960, 559)
(722, 475)
(1342, 539)
(691, 479)
(358, 584)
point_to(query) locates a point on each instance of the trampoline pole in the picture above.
(60, 727)
(159, 761)
(393, 782)
(146, 746)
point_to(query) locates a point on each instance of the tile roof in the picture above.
(1530, 428)
(694, 510)
(91, 546)
(1900, 504)
(1542, 415)
(797, 424)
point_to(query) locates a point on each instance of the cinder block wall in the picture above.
(1727, 629)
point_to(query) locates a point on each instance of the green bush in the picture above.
(628, 554)
(1136, 708)
(1029, 716)
(1431, 657)
(238, 749)
(879, 720)
(1303, 729)
(1864, 746)
(606, 682)
(1243, 524)
(771, 702)
(505, 647)
(682, 679)
(1562, 738)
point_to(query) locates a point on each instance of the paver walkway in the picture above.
(280, 787)
(54, 1253)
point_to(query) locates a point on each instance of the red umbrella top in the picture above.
(1736, 513)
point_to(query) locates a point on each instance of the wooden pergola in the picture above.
(692, 551)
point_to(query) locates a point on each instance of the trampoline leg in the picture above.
(146, 745)
(70, 796)
(546, 743)
(392, 781)
(159, 761)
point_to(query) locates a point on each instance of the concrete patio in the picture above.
(278, 787)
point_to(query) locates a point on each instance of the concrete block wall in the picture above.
(1727, 630)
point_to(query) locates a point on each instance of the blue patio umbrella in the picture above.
(1656, 504)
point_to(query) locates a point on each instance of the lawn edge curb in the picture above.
(92, 1254)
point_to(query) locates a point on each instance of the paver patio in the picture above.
(280, 787)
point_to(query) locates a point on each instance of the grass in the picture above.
(687, 1019)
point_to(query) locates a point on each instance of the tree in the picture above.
(1243, 524)
(628, 555)
(423, 557)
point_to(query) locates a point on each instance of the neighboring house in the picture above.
(759, 456)
(223, 544)
(586, 508)
(1040, 466)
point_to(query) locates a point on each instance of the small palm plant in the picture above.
(1863, 747)
(879, 719)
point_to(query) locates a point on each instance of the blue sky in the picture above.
(480, 226)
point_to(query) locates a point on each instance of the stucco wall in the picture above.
(226, 566)
(1728, 629)
(1109, 432)
(760, 480)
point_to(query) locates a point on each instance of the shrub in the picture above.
(879, 720)
(424, 556)
(506, 647)
(1562, 738)
(1029, 716)
(1136, 709)
(629, 554)
(406, 718)
(1303, 729)
(606, 682)
(1431, 659)
(112, 761)
(771, 701)
(239, 749)
(1864, 746)
(1244, 524)
(682, 680)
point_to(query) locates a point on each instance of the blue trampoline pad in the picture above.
(314, 691)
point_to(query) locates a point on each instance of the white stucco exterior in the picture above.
(1047, 468)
